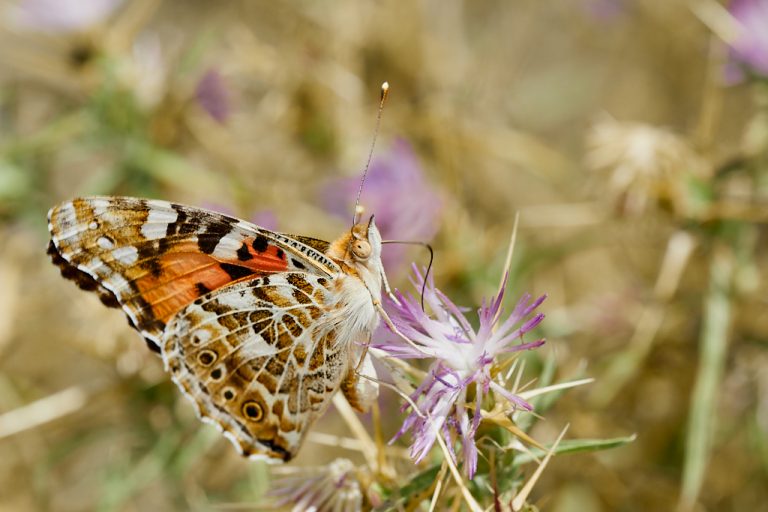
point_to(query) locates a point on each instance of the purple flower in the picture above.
(463, 356)
(213, 95)
(62, 16)
(265, 219)
(605, 11)
(406, 205)
(750, 48)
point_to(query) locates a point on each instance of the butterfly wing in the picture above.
(260, 359)
(153, 258)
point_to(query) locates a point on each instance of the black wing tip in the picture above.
(82, 279)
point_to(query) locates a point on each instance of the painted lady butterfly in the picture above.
(258, 329)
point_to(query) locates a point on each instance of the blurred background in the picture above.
(629, 135)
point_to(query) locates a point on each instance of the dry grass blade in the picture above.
(625, 366)
(507, 262)
(527, 395)
(522, 496)
(717, 19)
(438, 487)
(473, 505)
(352, 444)
(367, 446)
(43, 411)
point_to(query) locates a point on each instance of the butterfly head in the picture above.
(365, 242)
(359, 251)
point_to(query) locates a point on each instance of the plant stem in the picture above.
(713, 343)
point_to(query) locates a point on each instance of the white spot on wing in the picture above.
(104, 242)
(153, 231)
(227, 247)
(117, 283)
(126, 255)
(64, 223)
(254, 350)
(157, 223)
(162, 215)
(96, 266)
(202, 335)
(99, 206)
(238, 298)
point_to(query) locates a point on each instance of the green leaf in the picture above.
(418, 484)
(713, 343)
(14, 182)
(577, 445)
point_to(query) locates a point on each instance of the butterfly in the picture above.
(258, 329)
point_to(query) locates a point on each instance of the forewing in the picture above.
(259, 359)
(153, 258)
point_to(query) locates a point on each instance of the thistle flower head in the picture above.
(462, 356)
(331, 488)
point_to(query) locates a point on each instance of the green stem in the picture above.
(713, 344)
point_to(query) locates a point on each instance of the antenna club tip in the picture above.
(359, 209)
(384, 92)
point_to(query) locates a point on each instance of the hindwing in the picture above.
(259, 359)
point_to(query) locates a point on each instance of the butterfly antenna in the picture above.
(426, 274)
(429, 266)
(358, 209)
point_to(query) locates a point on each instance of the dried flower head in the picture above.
(331, 488)
(646, 164)
(463, 357)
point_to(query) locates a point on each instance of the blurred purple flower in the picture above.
(406, 205)
(213, 95)
(265, 219)
(750, 48)
(605, 11)
(62, 16)
(463, 356)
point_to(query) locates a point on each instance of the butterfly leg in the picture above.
(363, 356)
(385, 284)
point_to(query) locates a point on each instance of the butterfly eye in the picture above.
(361, 249)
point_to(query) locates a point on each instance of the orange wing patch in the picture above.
(179, 277)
